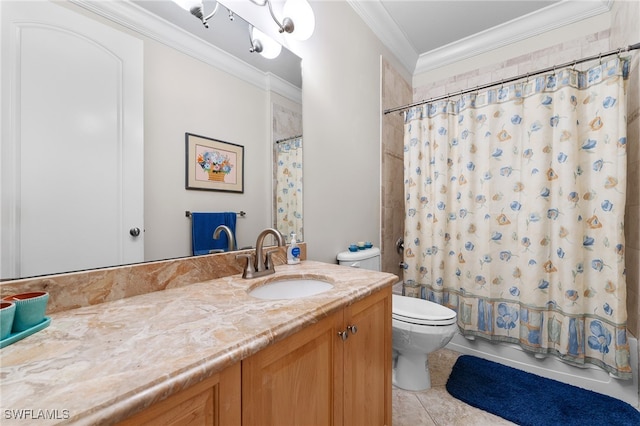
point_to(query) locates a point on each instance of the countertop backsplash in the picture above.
(85, 288)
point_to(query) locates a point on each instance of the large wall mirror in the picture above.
(64, 208)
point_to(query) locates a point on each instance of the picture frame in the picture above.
(213, 165)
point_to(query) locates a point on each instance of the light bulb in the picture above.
(270, 48)
(301, 14)
(188, 4)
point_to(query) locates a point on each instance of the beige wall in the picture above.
(342, 124)
(182, 95)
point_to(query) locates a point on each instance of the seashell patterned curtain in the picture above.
(288, 192)
(515, 201)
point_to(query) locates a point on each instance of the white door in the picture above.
(72, 142)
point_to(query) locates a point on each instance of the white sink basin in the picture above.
(291, 289)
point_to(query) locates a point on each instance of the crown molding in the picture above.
(554, 16)
(549, 18)
(385, 28)
(137, 19)
(283, 87)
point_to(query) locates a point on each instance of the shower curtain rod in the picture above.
(289, 138)
(511, 79)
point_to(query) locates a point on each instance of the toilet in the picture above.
(419, 327)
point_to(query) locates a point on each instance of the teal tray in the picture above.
(14, 337)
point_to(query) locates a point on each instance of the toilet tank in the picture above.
(365, 259)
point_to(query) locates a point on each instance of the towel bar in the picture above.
(240, 213)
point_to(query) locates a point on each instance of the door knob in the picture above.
(134, 232)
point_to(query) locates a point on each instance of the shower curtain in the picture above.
(289, 188)
(515, 202)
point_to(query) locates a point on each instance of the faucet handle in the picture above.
(249, 268)
(269, 262)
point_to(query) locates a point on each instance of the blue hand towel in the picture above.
(202, 227)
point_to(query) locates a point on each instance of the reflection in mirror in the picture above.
(163, 230)
(287, 169)
(288, 159)
(229, 32)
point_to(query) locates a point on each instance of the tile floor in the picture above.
(435, 407)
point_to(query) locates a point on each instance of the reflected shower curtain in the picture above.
(515, 202)
(289, 188)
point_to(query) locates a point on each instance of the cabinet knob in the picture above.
(352, 328)
(134, 232)
(343, 335)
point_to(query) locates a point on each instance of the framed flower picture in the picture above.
(213, 165)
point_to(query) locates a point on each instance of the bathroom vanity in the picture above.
(211, 353)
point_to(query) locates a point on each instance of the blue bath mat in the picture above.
(527, 399)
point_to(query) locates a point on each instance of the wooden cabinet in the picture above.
(335, 372)
(292, 382)
(215, 401)
(367, 362)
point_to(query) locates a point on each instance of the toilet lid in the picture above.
(420, 311)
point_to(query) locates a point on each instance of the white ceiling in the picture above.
(426, 34)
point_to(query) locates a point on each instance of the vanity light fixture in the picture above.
(298, 11)
(196, 8)
(263, 44)
(302, 14)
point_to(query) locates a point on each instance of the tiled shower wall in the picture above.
(623, 32)
(395, 92)
(626, 31)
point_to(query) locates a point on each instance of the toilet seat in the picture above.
(421, 312)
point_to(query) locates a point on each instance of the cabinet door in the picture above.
(297, 381)
(367, 361)
(213, 402)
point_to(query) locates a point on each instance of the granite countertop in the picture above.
(103, 363)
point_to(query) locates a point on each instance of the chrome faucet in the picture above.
(261, 265)
(226, 230)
